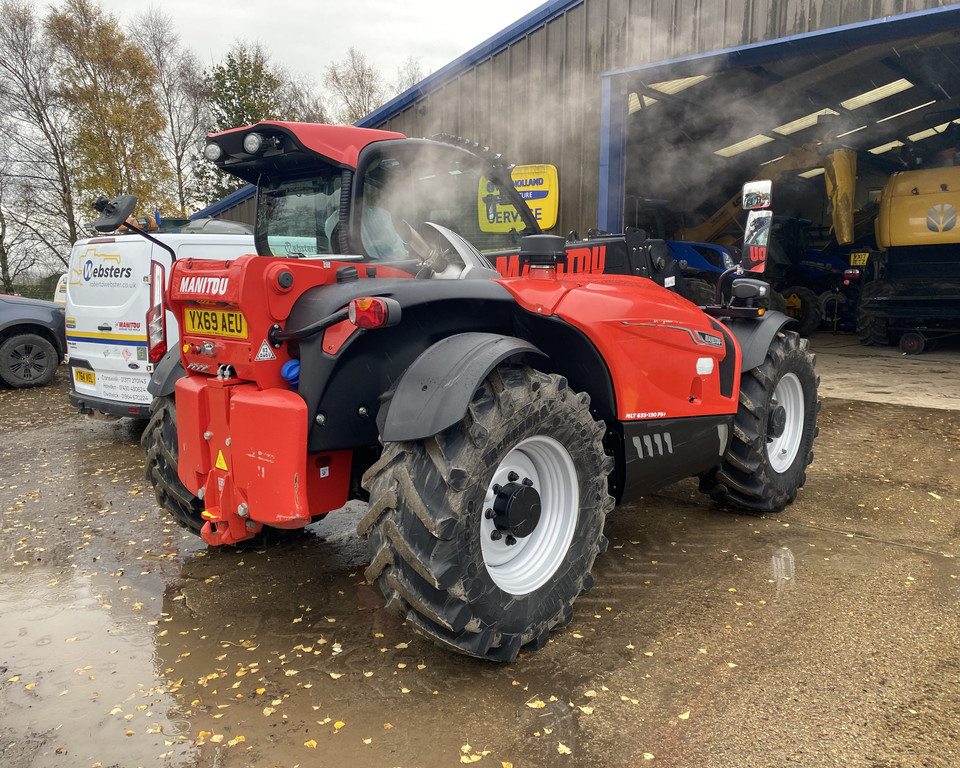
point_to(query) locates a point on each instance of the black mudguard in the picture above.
(166, 374)
(754, 336)
(434, 392)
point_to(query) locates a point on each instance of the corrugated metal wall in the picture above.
(245, 212)
(538, 100)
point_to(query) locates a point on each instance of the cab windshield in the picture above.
(398, 188)
(405, 184)
(296, 217)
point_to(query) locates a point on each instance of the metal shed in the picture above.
(570, 84)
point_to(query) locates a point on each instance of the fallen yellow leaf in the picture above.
(536, 704)
(563, 749)
(312, 744)
(684, 716)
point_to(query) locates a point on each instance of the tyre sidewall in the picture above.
(545, 604)
(780, 362)
(10, 377)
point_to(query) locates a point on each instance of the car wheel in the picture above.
(27, 360)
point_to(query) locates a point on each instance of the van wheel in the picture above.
(27, 360)
(160, 441)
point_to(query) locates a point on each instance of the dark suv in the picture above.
(32, 342)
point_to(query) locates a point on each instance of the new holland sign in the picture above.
(537, 184)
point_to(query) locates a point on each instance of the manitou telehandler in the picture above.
(371, 349)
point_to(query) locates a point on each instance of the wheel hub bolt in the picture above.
(528, 482)
(495, 535)
(510, 540)
(513, 477)
(497, 488)
(489, 513)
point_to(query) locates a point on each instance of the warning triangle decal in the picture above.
(221, 463)
(265, 353)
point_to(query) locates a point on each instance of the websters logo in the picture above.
(91, 272)
(941, 218)
(208, 286)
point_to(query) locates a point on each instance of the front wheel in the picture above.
(773, 432)
(482, 537)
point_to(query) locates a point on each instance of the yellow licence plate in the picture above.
(216, 322)
(859, 259)
(84, 377)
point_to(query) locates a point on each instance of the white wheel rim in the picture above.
(527, 565)
(782, 450)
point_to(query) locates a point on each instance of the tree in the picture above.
(408, 74)
(245, 88)
(182, 97)
(107, 88)
(37, 185)
(358, 86)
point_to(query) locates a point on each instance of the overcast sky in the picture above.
(304, 36)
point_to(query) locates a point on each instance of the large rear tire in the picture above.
(160, 441)
(873, 326)
(803, 305)
(700, 292)
(773, 433)
(481, 537)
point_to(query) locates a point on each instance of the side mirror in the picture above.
(757, 195)
(757, 198)
(755, 238)
(114, 212)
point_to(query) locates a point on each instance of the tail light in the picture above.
(849, 275)
(156, 315)
(370, 312)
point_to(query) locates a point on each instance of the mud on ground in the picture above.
(824, 636)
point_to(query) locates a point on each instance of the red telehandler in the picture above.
(372, 350)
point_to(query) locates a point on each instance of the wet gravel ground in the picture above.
(827, 635)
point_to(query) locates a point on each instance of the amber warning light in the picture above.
(373, 312)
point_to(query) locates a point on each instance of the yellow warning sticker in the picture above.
(221, 463)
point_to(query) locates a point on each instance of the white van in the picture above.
(113, 286)
(60, 292)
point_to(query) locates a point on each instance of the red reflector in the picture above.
(369, 312)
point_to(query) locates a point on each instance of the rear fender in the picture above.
(754, 336)
(434, 392)
(165, 375)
